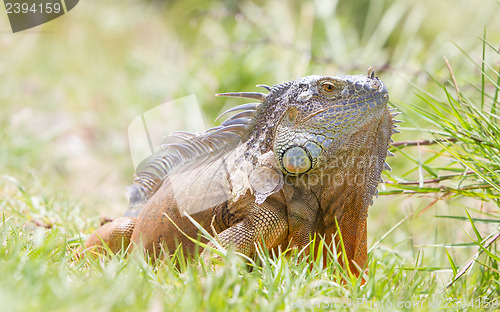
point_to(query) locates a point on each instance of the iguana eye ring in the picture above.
(328, 86)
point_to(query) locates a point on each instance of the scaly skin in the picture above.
(309, 154)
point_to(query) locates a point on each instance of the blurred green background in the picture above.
(70, 88)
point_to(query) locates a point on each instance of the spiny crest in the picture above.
(261, 140)
(386, 166)
(280, 87)
(393, 114)
(199, 147)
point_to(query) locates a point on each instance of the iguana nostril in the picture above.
(375, 84)
(295, 160)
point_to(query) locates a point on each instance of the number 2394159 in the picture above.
(25, 8)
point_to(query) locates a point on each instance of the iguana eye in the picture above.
(328, 87)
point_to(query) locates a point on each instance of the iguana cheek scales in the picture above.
(305, 157)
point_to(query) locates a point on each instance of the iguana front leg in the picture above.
(266, 223)
(116, 235)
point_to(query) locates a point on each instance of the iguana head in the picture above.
(322, 112)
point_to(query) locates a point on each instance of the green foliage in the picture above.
(466, 129)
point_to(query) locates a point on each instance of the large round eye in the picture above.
(328, 86)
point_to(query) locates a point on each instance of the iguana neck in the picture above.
(352, 173)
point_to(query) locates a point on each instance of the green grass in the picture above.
(70, 88)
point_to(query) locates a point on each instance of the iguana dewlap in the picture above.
(308, 153)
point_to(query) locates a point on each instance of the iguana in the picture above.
(306, 156)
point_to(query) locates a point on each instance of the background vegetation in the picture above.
(70, 88)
